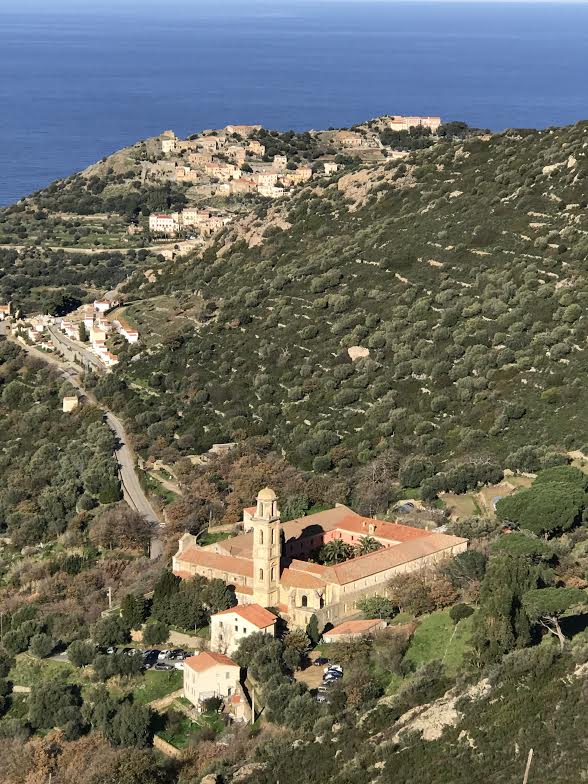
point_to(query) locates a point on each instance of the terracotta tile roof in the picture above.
(355, 627)
(388, 557)
(254, 613)
(206, 659)
(381, 529)
(226, 563)
(291, 578)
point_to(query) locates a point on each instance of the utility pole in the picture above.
(528, 766)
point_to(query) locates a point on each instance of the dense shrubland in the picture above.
(464, 277)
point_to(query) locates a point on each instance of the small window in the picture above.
(236, 628)
(260, 536)
(244, 630)
(227, 675)
(261, 574)
(304, 600)
(273, 573)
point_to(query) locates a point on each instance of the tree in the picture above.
(133, 610)
(377, 607)
(524, 545)
(120, 526)
(131, 726)
(111, 630)
(6, 663)
(155, 633)
(415, 470)
(335, 552)
(81, 653)
(501, 623)
(367, 544)
(410, 593)
(546, 508)
(466, 567)
(296, 647)
(82, 333)
(547, 605)
(41, 645)
(216, 596)
(55, 703)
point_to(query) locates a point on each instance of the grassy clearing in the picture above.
(28, 670)
(438, 638)
(157, 684)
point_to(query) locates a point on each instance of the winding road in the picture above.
(133, 493)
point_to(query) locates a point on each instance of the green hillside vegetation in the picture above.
(53, 465)
(461, 269)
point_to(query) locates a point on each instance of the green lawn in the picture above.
(210, 537)
(438, 638)
(156, 684)
(28, 670)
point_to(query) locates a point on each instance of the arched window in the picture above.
(261, 574)
(321, 603)
(304, 600)
(260, 536)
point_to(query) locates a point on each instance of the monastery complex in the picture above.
(268, 564)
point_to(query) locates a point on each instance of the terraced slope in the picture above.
(462, 269)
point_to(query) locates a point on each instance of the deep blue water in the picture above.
(78, 83)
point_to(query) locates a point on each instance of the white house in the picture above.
(210, 674)
(228, 627)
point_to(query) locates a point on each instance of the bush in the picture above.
(155, 633)
(460, 611)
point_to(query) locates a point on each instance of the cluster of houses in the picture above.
(192, 218)
(213, 673)
(98, 327)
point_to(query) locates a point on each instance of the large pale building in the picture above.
(268, 564)
(401, 123)
(229, 627)
(209, 675)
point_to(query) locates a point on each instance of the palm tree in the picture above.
(335, 551)
(367, 544)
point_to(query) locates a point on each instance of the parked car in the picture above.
(149, 659)
(322, 696)
(179, 665)
(333, 668)
(163, 666)
(135, 652)
(163, 655)
(332, 676)
(110, 650)
(320, 661)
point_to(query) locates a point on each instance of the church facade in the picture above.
(268, 563)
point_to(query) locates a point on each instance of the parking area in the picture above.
(155, 658)
(320, 673)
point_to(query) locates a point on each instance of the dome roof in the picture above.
(267, 494)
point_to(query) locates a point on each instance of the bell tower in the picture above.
(267, 549)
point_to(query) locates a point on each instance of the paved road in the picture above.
(133, 493)
(76, 352)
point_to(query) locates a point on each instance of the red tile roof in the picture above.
(389, 557)
(291, 578)
(206, 659)
(226, 563)
(254, 613)
(355, 627)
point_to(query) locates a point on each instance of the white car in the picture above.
(179, 665)
(163, 655)
(333, 668)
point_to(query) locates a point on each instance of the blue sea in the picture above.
(80, 79)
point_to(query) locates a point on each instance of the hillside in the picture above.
(460, 269)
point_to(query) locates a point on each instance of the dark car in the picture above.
(163, 666)
(320, 662)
